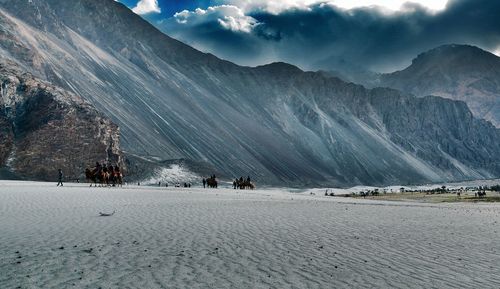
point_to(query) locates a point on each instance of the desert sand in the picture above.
(53, 237)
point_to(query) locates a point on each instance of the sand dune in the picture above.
(193, 238)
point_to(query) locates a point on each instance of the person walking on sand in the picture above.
(60, 178)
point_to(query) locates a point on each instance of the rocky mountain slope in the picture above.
(44, 128)
(276, 123)
(459, 72)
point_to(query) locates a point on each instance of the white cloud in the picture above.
(234, 15)
(277, 6)
(497, 51)
(228, 16)
(147, 6)
(271, 6)
(390, 4)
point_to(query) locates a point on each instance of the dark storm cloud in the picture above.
(211, 37)
(323, 36)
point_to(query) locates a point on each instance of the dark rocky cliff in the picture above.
(44, 128)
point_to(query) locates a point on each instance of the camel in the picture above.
(118, 178)
(103, 177)
(243, 184)
(91, 177)
(212, 182)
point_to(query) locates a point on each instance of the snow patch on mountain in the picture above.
(172, 175)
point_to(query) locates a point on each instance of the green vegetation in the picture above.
(438, 195)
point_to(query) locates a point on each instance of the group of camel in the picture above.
(237, 183)
(104, 176)
(243, 184)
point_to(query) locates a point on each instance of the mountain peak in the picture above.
(454, 47)
(279, 67)
(456, 54)
(460, 72)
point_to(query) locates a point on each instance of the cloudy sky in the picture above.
(379, 35)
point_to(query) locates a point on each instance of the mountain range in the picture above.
(277, 123)
(459, 72)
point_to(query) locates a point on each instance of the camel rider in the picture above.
(98, 167)
(111, 171)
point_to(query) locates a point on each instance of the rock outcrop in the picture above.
(43, 128)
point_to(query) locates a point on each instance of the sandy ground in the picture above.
(193, 238)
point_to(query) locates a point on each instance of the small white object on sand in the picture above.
(106, 214)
